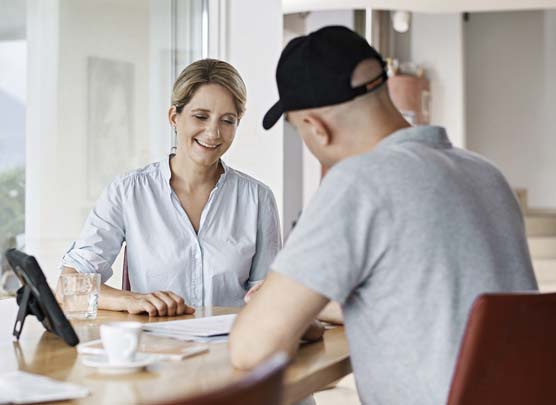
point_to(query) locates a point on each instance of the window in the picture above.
(13, 62)
(99, 79)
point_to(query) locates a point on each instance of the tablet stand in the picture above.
(27, 306)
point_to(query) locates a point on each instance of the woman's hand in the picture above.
(158, 303)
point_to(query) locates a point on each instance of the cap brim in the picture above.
(273, 115)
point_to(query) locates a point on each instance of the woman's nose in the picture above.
(213, 130)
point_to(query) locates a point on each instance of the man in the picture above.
(404, 232)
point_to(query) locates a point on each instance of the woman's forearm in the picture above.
(109, 298)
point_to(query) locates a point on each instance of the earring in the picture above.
(174, 142)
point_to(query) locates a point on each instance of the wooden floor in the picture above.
(541, 235)
(343, 393)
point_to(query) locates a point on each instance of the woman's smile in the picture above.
(207, 145)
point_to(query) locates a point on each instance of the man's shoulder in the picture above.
(364, 168)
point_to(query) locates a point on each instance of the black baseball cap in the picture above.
(315, 71)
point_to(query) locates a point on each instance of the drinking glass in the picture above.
(80, 295)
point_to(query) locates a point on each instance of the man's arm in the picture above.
(274, 320)
(332, 313)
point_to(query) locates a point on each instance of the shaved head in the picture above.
(335, 132)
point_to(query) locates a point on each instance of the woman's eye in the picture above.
(230, 121)
(201, 117)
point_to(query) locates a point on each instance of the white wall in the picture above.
(293, 177)
(423, 6)
(437, 44)
(254, 31)
(511, 97)
(311, 166)
(318, 19)
(160, 79)
(12, 19)
(309, 174)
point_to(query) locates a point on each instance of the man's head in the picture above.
(331, 86)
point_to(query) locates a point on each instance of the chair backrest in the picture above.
(126, 286)
(508, 352)
(262, 385)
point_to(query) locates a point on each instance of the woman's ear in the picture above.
(172, 114)
(318, 129)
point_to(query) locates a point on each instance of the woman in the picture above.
(197, 232)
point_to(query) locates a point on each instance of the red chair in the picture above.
(261, 386)
(508, 352)
(126, 286)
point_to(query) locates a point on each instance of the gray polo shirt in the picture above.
(405, 237)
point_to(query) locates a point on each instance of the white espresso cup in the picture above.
(120, 341)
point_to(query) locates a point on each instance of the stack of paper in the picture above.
(19, 387)
(161, 347)
(209, 329)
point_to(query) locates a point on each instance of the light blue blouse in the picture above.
(238, 237)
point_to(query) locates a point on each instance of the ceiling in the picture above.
(425, 6)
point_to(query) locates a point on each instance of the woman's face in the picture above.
(207, 125)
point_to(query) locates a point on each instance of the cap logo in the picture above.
(371, 84)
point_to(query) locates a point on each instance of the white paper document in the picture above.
(19, 387)
(209, 329)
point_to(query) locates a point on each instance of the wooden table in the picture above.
(315, 366)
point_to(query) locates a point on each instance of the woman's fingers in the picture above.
(158, 303)
(140, 305)
(182, 308)
(169, 301)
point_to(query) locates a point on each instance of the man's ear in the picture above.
(172, 114)
(318, 129)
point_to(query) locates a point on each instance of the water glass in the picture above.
(80, 295)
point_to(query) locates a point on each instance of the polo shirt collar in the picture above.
(434, 136)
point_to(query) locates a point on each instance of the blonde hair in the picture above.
(207, 71)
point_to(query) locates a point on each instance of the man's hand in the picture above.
(252, 291)
(314, 332)
(158, 303)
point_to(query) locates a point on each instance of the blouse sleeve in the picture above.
(269, 239)
(102, 236)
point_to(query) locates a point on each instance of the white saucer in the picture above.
(101, 363)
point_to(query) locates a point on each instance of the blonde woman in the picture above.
(198, 233)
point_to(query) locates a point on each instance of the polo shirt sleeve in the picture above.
(102, 236)
(337, 240)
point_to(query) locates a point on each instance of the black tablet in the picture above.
(35, 297)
